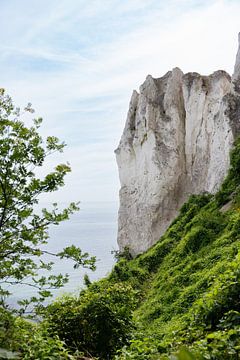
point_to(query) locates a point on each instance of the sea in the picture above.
(94, 230)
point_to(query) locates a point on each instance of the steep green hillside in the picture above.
(181, 297)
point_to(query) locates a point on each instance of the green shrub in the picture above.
(34, 342)
(222, 297)
(99, 322)
(21, 339)
(153, 258)
(232, 181)
(7, 322)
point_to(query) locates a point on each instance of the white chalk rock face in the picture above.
(176, 142)
(236, 74)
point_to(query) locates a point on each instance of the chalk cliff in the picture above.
(176, 142)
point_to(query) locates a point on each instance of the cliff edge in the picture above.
(176, 142)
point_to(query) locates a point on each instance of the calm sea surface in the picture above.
(94, 230)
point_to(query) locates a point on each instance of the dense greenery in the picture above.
(98, 322)
(28, 340)
(180, 300)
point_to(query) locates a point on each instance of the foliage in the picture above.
(230, 186)
(7, 323)
(125, 254)
(31, 341)
(23, 231)
(98, 322)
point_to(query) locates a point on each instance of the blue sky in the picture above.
(77, 62)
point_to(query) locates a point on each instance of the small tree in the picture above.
(22, 230)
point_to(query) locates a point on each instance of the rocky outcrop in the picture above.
(236, 74)
(176, 142)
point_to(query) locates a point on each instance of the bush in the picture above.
(21, 339)
(222, 297)
(34, 342)
(232, 181)
(6, 328)
(98, 323)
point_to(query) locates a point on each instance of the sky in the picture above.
(78, 61)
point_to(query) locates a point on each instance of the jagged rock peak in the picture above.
(236, 74)
(176, 142)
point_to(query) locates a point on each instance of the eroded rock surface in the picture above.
(176, 142)
(236, 74)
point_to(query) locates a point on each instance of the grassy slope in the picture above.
(189, 281)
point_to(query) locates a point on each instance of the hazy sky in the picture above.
(77, 62)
